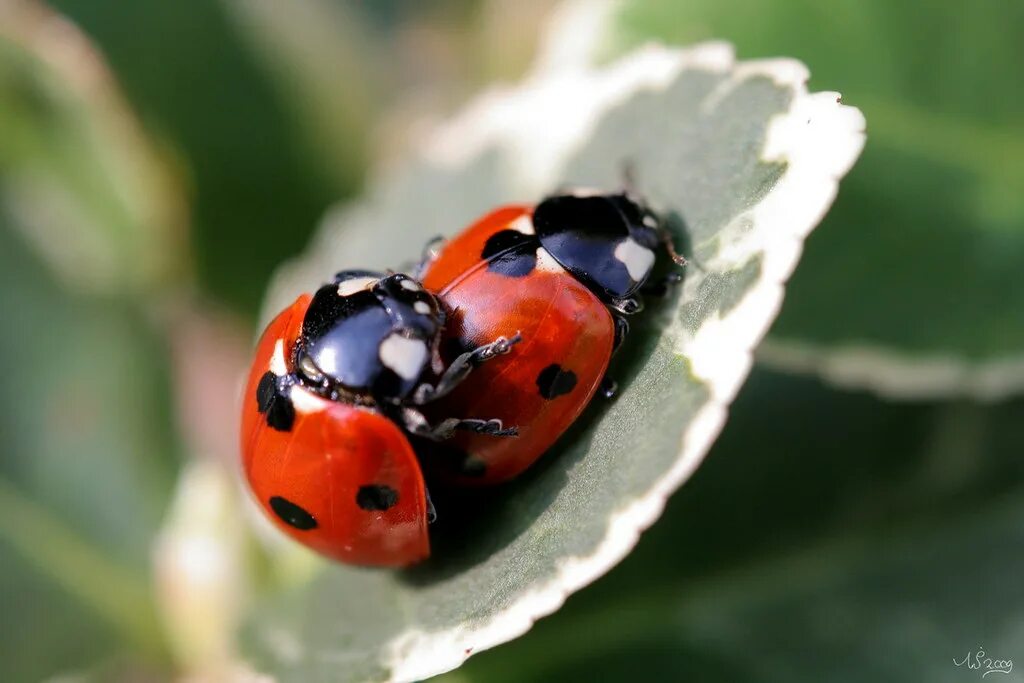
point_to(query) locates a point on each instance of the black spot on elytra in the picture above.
(376, 497)
(281, 415)
(511, 253)
(292, 514)
(278, 408)
(505, 240)
(265, 391)
(553, 381)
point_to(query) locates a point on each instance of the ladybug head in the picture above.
(368, 336)
(608, 241)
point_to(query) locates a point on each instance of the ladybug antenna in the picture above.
(670, 247)
(629, 178)
(630, 188)
(656, 224)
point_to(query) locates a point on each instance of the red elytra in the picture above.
(343, 479)
(546, 380)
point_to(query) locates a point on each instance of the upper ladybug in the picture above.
(564, 274)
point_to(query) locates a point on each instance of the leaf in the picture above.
(86, 471)
(199, 571)
(90, 191)
(253, 178)
(89, 218)
(864, 541)
(310, 47)
(910, 288)
(739, 152)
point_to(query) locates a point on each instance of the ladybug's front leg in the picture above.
(608, 388)
(461, 367)
(431, 250)
(660, 288)
(417, 425)
(431, 510)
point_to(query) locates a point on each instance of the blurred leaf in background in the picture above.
(90, 226)
(85, 474)
(327, 71)
(273, 112)
(256, 188)
(89, 191)
(921, 254)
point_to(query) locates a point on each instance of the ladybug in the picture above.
(333, 392)
(566, 274)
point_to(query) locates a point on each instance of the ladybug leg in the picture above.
(431, 510)
(492, 427)
(621, 330)
(662, 286)
(417, 425)
(628, 306)
(462, 366)
(430, 252)
(609, 387)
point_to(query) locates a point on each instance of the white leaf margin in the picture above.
(896, 375)
(818, 138)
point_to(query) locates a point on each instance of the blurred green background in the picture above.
(158, 162)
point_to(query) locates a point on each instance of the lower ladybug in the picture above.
(333, 391)
(564, 274)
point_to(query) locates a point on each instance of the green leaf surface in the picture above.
(912, 286)
(91, 193)
(85, 473)
(746, 162)
(863, 541)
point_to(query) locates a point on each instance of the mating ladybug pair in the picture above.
(485, 359)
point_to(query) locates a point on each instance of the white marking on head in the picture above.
(547, 263)
(277, 364)
(411, 285)
(356, 284)
(584, 192)
(637, 259)
(403, 355)
(306, 402)
(350, 287)
(523, 224)
(421, 307)
(326, 360)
